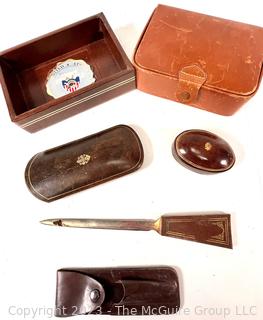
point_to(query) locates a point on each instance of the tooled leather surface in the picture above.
(84, 163)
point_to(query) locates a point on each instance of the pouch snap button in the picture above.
(94, 295)
(185, 95)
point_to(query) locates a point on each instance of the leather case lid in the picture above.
(117, 291)
(84, 163)
(229, 53)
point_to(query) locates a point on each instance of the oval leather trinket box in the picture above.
(203, 151)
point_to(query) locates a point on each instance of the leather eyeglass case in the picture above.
(84, 163)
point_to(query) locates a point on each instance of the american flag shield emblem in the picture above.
(69, 76)
(71, 85)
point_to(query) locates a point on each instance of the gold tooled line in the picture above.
(86, 185)
(73, 104)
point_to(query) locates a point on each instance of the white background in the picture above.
(212, 279)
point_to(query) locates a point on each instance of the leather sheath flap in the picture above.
(88, 294)
(200, 50)
(117, 291)
(84, 163)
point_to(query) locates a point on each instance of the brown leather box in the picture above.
(84, 163)
(206, 62)
(25, 69)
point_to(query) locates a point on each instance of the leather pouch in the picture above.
(84, 163)
(206, 62)
(117, 291)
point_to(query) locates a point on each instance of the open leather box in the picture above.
(25, 71)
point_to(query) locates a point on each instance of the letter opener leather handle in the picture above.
(209, 228)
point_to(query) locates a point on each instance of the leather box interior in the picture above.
(24, 70)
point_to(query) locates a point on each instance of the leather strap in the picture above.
(191, 79)
(77, 293)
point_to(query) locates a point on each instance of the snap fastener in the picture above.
(185, 96)
(94, 295)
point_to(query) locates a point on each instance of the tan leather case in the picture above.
(206, 62)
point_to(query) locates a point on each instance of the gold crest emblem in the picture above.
(83, 159)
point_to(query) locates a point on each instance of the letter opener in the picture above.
(212, 228)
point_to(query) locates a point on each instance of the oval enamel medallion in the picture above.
(68, 76)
